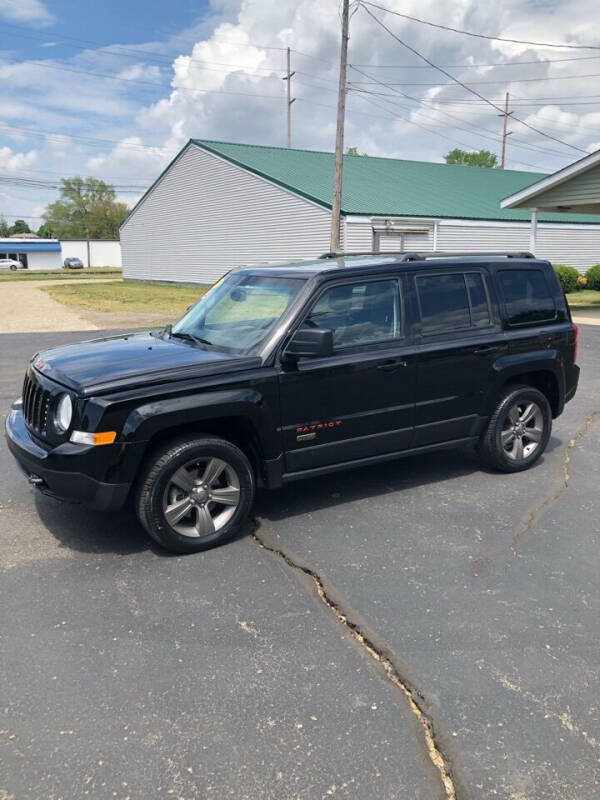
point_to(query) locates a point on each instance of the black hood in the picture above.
(133, 359)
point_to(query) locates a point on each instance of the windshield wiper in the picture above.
(189, 337)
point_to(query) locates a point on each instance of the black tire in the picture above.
(12, 266)
(155, 483)
(495, 450)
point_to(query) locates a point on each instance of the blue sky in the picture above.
(139, 21)
(114, 89)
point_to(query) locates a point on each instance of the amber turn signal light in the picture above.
(105, 437)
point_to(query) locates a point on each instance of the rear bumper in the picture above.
(64, 471)
(572, 383)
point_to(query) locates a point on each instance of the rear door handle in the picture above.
(481, 350)
(392, 364)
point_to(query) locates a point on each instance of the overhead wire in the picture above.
(464, 85)
(481, 35)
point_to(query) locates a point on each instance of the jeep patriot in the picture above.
(284, 372)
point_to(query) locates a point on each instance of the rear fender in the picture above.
(508, 367)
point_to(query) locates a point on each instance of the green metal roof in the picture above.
(389, 186)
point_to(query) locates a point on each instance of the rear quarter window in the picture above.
(527, 296)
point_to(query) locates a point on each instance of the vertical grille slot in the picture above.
(36, 405)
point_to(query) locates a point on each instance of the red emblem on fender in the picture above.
(318, 426)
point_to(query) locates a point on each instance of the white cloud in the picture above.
(12, 161)
(228, 85)
(34, 11)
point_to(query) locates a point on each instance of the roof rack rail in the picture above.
(404, 256)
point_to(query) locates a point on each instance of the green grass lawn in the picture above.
(59, 274)
(586, 297)
(127, 296)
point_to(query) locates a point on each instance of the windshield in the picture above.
(238, 312)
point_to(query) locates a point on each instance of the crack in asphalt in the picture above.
(415, 699)
(533, 516)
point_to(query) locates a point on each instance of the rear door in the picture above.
(358, 402)
(460, 337)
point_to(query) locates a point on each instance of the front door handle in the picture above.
(392, 364)
(481, 350)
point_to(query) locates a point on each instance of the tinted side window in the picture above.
(480, 309)
(526, 296)
(359, 313)
(443, 302)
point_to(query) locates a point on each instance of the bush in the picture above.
(592, 277)
(582, 281)
(568, 277)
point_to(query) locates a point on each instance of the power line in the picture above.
(435, 132)
(505, 80)
(134, 50)
(494, 136)
(137, 81)
(464, 85)
(479, 66)
(42, 183)
(482, 35)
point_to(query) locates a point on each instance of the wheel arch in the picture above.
(237, 429)
(542, 371)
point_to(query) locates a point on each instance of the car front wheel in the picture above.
(518, 431)
(195, 494)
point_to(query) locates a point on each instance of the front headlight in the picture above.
(64, 413)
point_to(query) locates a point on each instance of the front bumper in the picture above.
(71, 471)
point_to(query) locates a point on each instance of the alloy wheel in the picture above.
(201, 497)
(523, 430)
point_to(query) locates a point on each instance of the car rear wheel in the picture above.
(195, 494)
(518, 430)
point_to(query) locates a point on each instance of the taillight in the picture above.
(576, 329)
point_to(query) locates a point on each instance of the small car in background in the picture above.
(73, 263)
(11, 263)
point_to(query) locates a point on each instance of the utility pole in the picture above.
(505, 133)
(339, 136)
(290, 99)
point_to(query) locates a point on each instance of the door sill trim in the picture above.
(288, 477)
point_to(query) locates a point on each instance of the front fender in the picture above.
(155, 416)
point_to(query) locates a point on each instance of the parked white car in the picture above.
(10, 263)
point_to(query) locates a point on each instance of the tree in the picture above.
(46, 231)
(20, 226)
(4, 227)
(87, 208)
(353, 151)
(472, 158)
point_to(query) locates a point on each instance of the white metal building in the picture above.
(36, 253)
(220, 205)
(93, 252)
(33, 253)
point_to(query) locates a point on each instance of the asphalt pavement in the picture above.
(413, 630)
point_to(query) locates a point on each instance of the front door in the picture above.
(358, 402)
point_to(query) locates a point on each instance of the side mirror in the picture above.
(311, 343)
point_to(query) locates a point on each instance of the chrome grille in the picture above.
(36, 405)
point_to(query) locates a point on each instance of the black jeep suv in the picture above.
(280, 373)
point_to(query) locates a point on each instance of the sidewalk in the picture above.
(586, 316)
